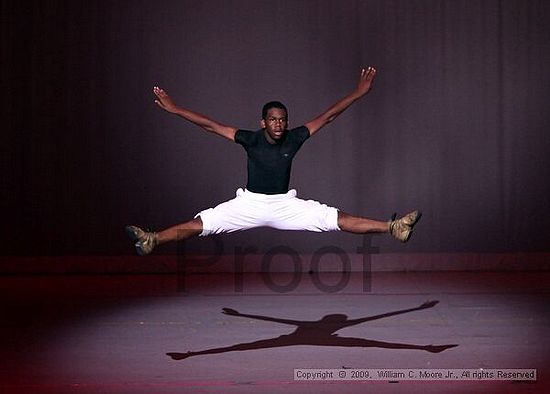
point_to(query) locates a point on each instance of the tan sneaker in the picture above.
(143, 241)
(402, 228)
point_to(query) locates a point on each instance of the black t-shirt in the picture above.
(269, 164)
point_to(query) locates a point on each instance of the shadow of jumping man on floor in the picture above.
(317, 333)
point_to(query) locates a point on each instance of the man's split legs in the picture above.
(401, 229)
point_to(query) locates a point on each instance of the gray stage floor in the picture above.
(132, 334)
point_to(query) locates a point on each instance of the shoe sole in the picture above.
(412, 226)
(417, 219)
(131, 233)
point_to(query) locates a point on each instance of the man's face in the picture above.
(275, 124)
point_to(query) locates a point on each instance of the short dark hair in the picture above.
(273, 104)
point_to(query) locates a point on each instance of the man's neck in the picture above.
(271, 141)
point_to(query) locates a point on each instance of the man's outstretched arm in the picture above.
(166, 103)
(363, 87)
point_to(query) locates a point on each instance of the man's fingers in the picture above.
(159, 92)
(368, 72)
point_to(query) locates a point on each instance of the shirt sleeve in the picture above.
(244, 137)
(301, 133)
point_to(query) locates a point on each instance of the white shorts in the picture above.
(281, 211)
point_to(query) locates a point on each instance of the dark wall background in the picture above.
(456, 125)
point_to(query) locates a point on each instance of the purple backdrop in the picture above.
(456, 125)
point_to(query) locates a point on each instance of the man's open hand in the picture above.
(164, 101)
(366, 80)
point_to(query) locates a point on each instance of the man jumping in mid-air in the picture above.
(266, 200)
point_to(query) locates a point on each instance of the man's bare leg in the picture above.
(180, 232)
(145, 241)
(401, 228)
(360, 225)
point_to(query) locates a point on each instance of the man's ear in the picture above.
(262, 123)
